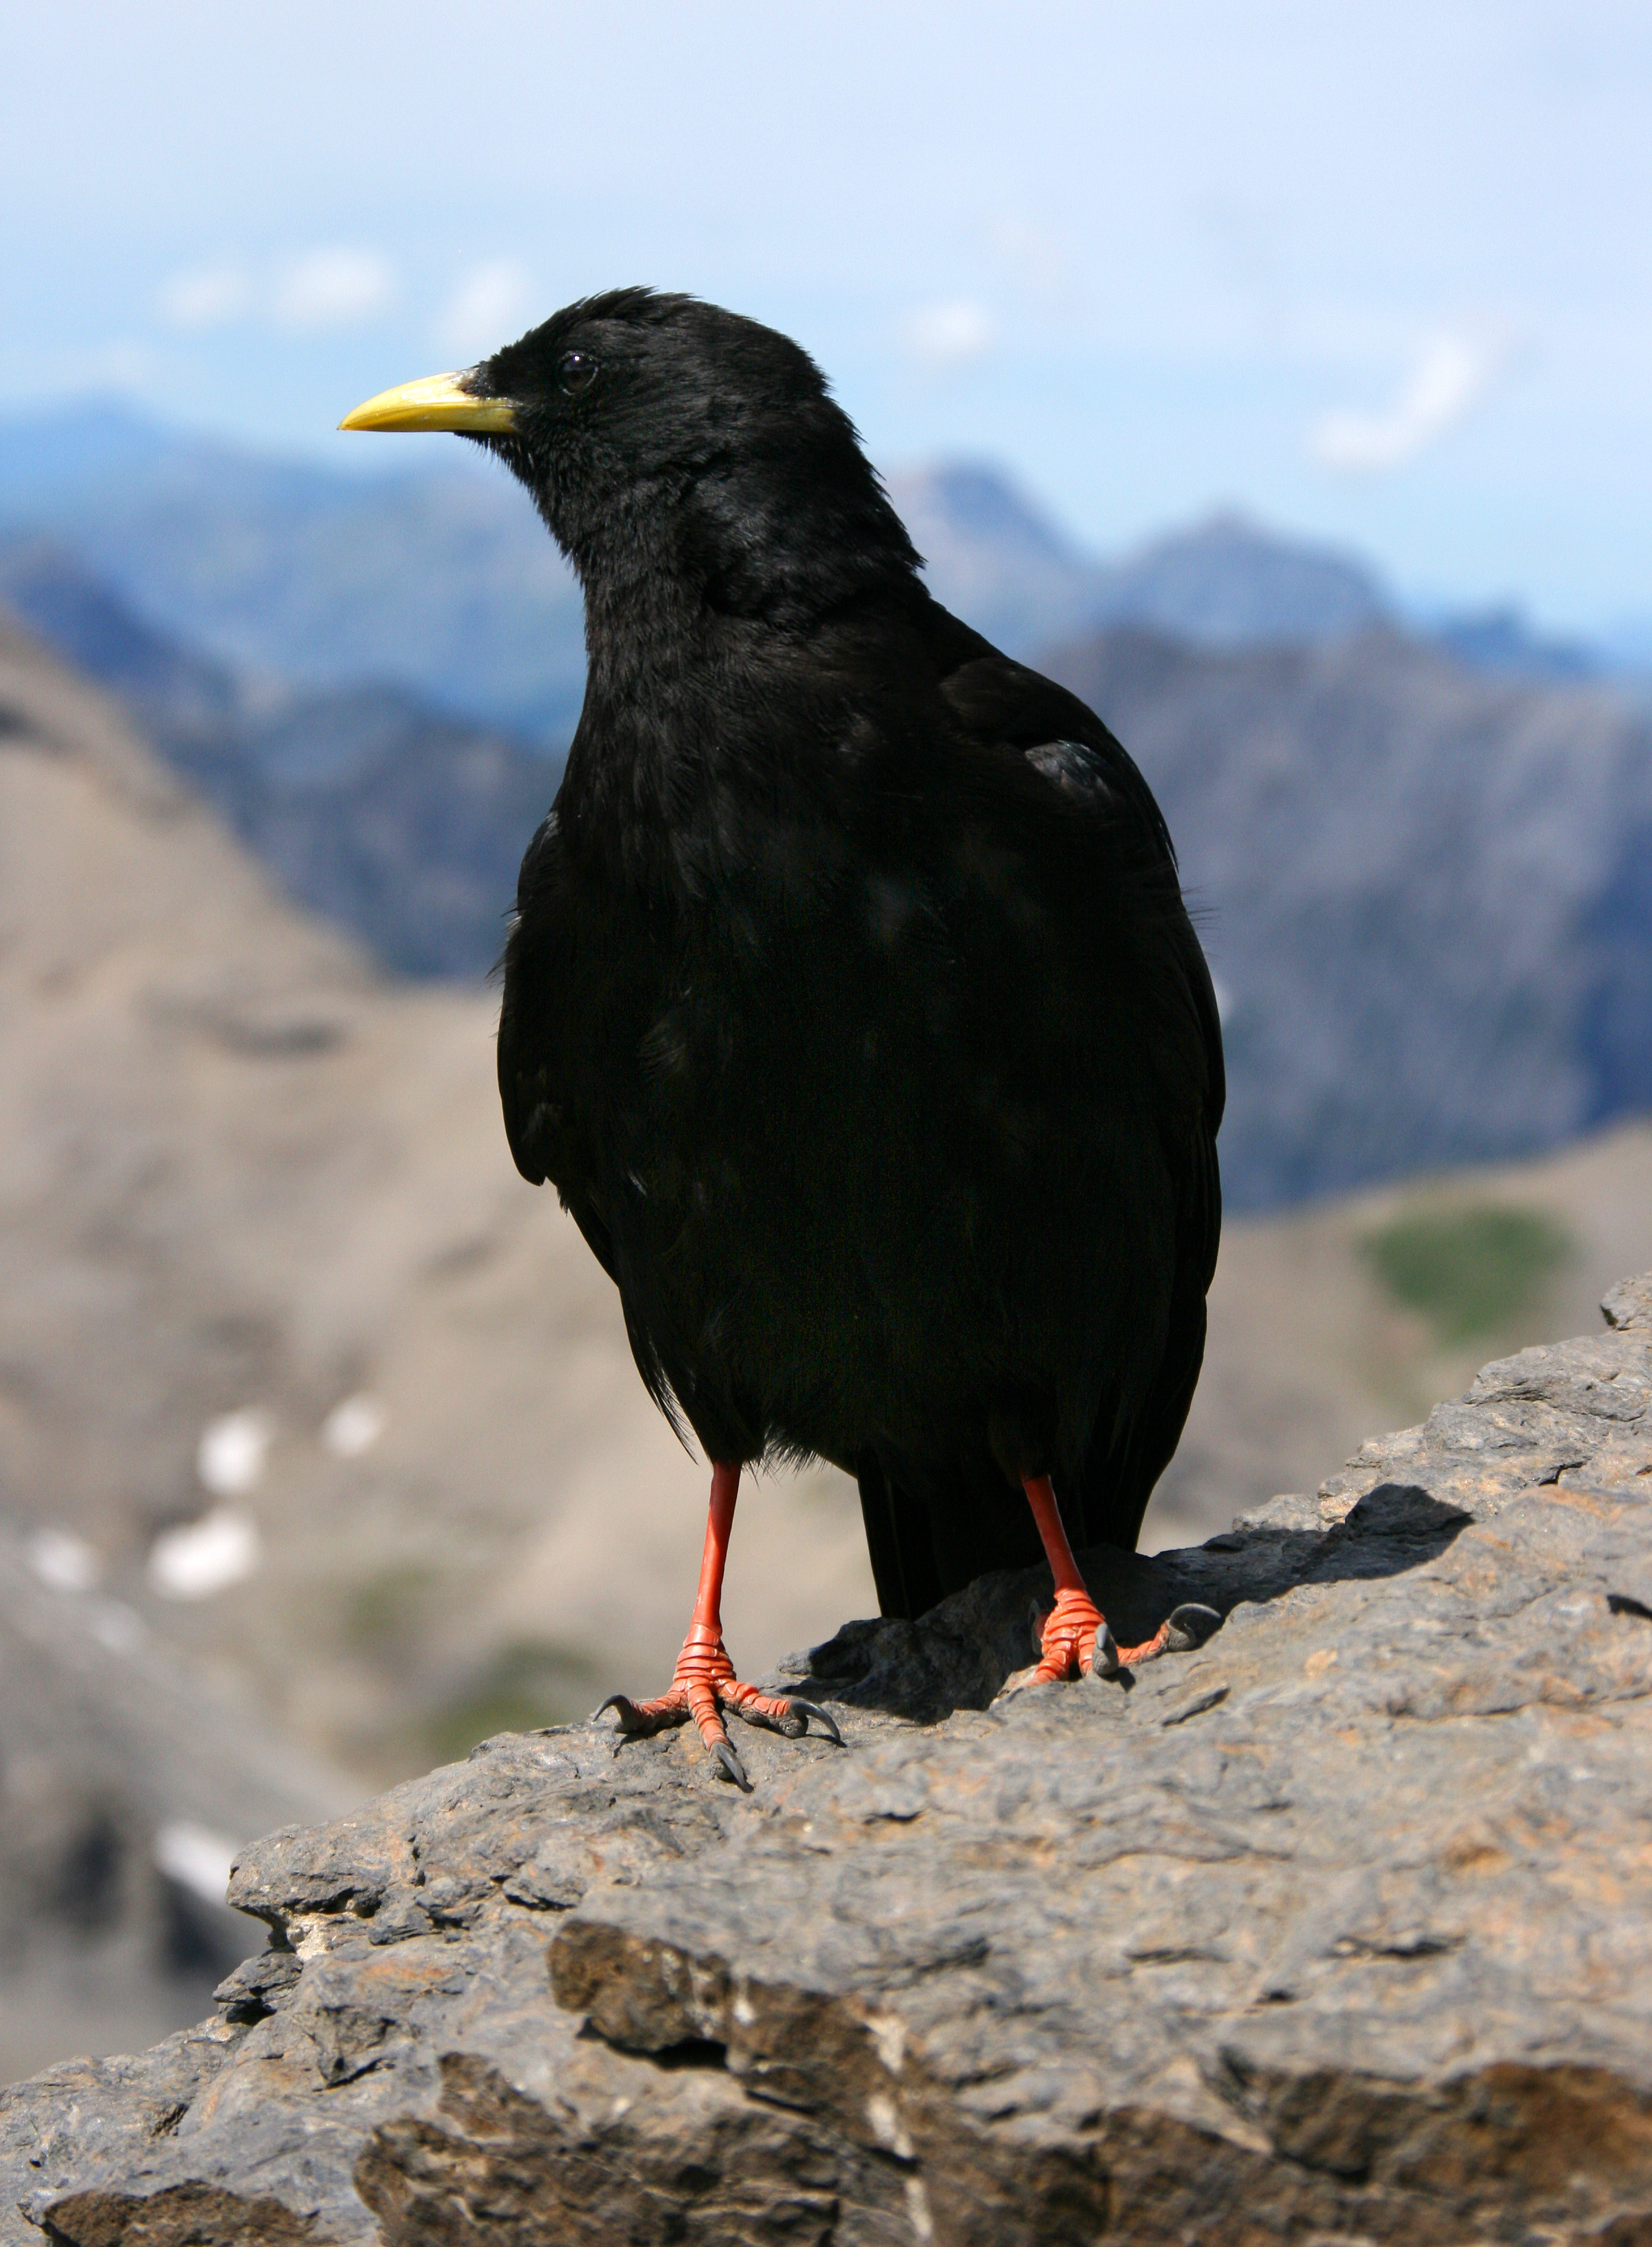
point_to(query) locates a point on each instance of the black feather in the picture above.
(851, 1003)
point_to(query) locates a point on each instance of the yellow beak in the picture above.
(436, 401)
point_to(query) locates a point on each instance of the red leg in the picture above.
(1074, 1638)
(704, 1682)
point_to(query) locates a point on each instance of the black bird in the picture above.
(851, 1004)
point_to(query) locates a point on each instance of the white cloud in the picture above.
(334, 289)
(947, 338)
(488, 308)
(1453, 374)
(126, 363)
(211, 297)
(322, 289)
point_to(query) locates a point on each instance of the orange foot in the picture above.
(1075, 1641)
(702, 1686)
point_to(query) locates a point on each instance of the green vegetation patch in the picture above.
(523, 1687)
(384, 1615)
(1469, 1268)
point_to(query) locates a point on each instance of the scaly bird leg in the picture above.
(1075, 1639)
(704, 1684)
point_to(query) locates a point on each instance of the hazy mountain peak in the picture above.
(1228, 581)
(955, 501)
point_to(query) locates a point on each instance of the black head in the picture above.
(657, 432)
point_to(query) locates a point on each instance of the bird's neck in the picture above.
(648, 727)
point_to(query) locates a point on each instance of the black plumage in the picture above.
(851, 1004)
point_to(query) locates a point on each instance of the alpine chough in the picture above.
(850, 1002)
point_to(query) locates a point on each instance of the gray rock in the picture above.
(1629, 1304)
(1335, 1929)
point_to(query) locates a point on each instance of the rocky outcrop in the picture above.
(1339, 1929)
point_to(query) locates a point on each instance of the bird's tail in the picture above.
(927, 1538)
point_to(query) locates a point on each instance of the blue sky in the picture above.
(1380, 274)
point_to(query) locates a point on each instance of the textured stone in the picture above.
(1338, 1930)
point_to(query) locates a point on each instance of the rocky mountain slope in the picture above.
(128, 1778)
(1426, 896)
(1335, 1930)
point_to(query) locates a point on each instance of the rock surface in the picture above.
(1339, 1929)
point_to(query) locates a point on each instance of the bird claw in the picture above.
(1184, 1628)
(767, 1715)
(639, 1718)
(1064, 1646)
(811, 1709)
(706, 1688)
(729, 1764)
(1103, 1662)
(1188, 1626)
(783, 1713)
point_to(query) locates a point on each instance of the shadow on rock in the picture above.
(961, 1653)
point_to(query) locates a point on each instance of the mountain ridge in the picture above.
(436, 575)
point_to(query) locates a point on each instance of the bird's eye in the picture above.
(577, 371)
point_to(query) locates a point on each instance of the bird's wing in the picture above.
(1024, 725)
(533, 1038)
(1068, 744)
(1005, 704)
(1064, 741)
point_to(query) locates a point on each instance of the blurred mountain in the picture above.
(995, 561)
(436, 577)
(1426, 896)
(46, 585)
(1629, 645)
(1503, 642)
(992, 558)
(389, 818)
(1227, 582)
(424, 566)
(127, 1778)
